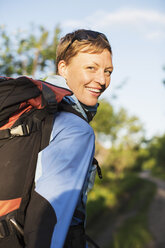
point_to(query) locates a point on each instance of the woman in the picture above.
(84, 65)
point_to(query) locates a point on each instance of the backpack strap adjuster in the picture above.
(21, 130)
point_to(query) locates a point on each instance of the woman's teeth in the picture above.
(94, 90)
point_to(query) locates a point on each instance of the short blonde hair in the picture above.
(81, 40)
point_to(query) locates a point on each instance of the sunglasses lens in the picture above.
(86, 35)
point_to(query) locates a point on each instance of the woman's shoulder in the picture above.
(69, 122)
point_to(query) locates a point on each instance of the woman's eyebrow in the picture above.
(95, 63)
(109, 67)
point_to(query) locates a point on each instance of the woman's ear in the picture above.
(62, 68)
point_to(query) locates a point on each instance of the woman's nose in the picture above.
(100, 78)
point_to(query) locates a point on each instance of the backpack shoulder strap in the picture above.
(43, 141)
(46, 131)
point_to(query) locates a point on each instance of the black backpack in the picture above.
(27, 109)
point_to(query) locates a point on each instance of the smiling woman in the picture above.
(66, 168)
(87, 75)
(84, 59)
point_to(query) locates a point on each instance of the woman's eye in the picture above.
(91, 68)
(108, 73)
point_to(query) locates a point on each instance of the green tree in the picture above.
(151, 155)
(116, 125)
(28, 54)
(107, 122)
(6, 54)
(124, 134)
(156, 149)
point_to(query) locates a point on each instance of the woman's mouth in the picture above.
(95, 92)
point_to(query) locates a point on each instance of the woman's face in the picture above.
(87, 75)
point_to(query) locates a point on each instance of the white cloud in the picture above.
(133, 17)
(150, 23)
(155, 35)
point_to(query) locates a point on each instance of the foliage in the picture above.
(149, 164)
(113, 124)
(134, 232)
(120, 158)
(111, 192)
(152, 156)
(159, 172)
(124, 134)
(28, 53)
(105, 121)
(126, 195)
(156, 149)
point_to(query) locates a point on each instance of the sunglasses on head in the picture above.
(85, 35)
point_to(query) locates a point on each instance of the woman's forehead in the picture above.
(103, 57)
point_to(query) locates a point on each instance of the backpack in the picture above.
(27, 109)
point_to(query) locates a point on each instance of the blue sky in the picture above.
(136, 30)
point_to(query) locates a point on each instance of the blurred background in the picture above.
(130, 124)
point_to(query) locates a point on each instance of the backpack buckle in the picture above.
(21, 130)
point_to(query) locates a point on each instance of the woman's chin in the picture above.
(89, 103)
